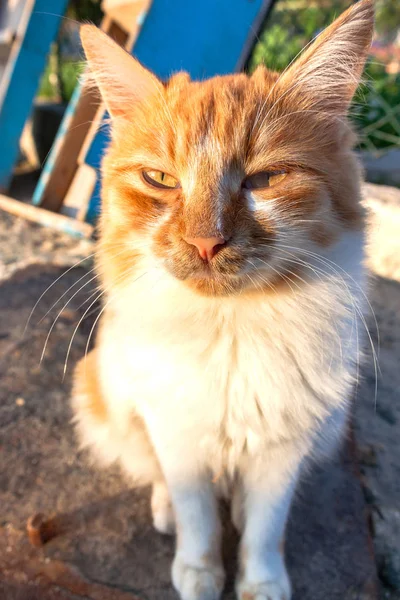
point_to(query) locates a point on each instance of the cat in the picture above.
(231, 261)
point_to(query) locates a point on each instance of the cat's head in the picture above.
(226, 183)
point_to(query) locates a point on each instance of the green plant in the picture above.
(61, 76)
(289, 28)
(59, 80)
(376, 108)
(85, 10)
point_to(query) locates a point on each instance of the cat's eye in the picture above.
(160, 179)
(263, 179)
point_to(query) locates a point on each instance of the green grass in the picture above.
(58, 84)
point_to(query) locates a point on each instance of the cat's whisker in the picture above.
(307, 283)
(51, 285)
(59, 314)
(97, 289)
(87, 294)
(321, 275)
(365, 297)
(255, 284)
(268, 283)
(303, 281)
(65, 293)
(334, 267)
(66, 304)
(99, 293)
(281, 275)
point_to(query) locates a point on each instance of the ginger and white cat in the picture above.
(230, 256)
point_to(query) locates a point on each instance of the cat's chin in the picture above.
(213, 286)
(227, 286)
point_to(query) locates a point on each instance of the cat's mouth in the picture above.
(227, 278)
(231, 271)
(212, 280)
(207, 278)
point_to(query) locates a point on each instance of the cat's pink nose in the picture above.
(207, 247)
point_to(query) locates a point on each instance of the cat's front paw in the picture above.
(197, 583)
(269, 590)
(263, 578)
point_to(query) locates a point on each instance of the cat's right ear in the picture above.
(325, 76)
(121, 80)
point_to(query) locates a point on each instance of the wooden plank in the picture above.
(62, 164)
(45, 217)
(127, 13)
(22, 75)
(93, 158)
(97, 122)
(94, 204)
(77, 198)
(79, 193)
(11, 12)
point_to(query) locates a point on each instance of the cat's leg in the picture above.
(269, 485)
(237, 505)
(161, 508)
(197, 571)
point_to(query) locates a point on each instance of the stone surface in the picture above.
(377, 411)
(382, 167)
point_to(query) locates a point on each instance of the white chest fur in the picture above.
(239, 371)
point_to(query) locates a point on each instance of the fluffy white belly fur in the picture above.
(235, 375)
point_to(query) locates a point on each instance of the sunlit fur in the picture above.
(225, 376)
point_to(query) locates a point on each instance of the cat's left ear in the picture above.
(328, 72)
(121, 80)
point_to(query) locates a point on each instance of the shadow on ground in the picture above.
(106, 548)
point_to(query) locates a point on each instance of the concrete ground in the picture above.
(103, 545)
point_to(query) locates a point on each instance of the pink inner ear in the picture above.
(121, 79)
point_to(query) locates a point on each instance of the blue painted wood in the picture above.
(94, 204)
(26, 70)
(203, 37)
(93, 158)
(49, 164)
